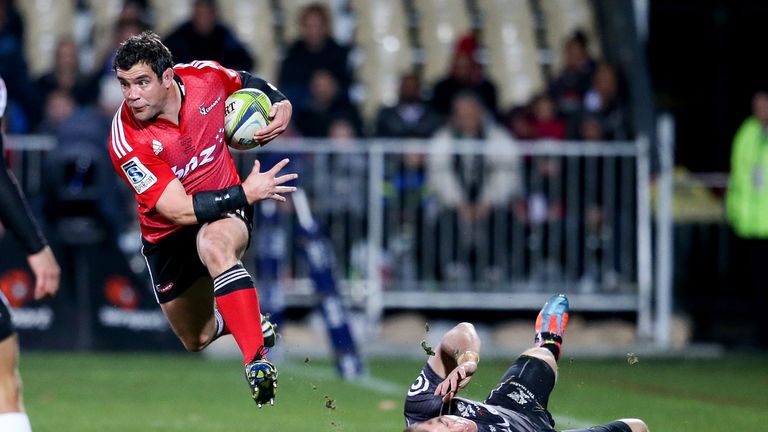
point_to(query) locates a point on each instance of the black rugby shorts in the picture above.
(174, 264)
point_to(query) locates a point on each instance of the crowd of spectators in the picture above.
(585, 101)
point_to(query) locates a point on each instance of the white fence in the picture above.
(533, 218)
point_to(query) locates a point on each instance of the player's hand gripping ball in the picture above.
(246, 111)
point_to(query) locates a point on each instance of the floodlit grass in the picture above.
(137, 392)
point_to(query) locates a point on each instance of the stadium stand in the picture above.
(168, 14)
(382, 38)
(561, 19)
(440, 23)
(508, 36)
(259, 39)
(45, 22)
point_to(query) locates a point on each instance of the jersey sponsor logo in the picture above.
(205, 156)
(138, 175)
(419, 386)
(157, 146)
(206, 109)
(162, 289)
(119, 144)
(521, 395)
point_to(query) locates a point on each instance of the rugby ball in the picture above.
(246, 111)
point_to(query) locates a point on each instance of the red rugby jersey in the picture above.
(148, 155)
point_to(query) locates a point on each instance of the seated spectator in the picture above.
(23, 112)
(590, 129)
(326, 104)
(569, 88)
(124, 28)
(349, 171)
(470, 186)
(204, 37)
(315, 50)
(604, 102)
(58, 107)
(466, 75)
(411, 117)
(518, 122)
(544, 120)
(65, 75)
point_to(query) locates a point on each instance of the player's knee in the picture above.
(214, 252)
(194, 343)
(542, 354)
(636, 425)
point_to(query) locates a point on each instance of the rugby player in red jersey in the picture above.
(17, 218)
(168, 144)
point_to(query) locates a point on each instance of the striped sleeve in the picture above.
(120, 146)
(147, 174)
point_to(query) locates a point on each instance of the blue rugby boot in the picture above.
(551, 322)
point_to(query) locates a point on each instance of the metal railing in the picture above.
(576, 218)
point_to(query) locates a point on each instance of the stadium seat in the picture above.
(561, 18)
(441, 23)
(241, 16)
(169, 14)
(104, 13)
(513, 60)
(45, 23)
(383, 41)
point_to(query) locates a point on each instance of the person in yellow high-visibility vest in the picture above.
(747, 206)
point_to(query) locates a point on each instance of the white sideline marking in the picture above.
(377, 385)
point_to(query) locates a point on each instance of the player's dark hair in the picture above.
(144, 48)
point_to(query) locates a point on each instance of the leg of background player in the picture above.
(12, 416)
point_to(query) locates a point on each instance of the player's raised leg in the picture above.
(221, 244)
(551, 323)
(191, 315)
(12, 416)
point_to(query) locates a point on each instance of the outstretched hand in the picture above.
(456, 380)
(280, 116)
(47, 273)
(267, 185)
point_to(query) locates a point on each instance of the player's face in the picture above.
(448, 423)
(144, 93)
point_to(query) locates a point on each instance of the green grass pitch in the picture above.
(185, 392)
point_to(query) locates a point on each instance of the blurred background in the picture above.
(460, 160)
